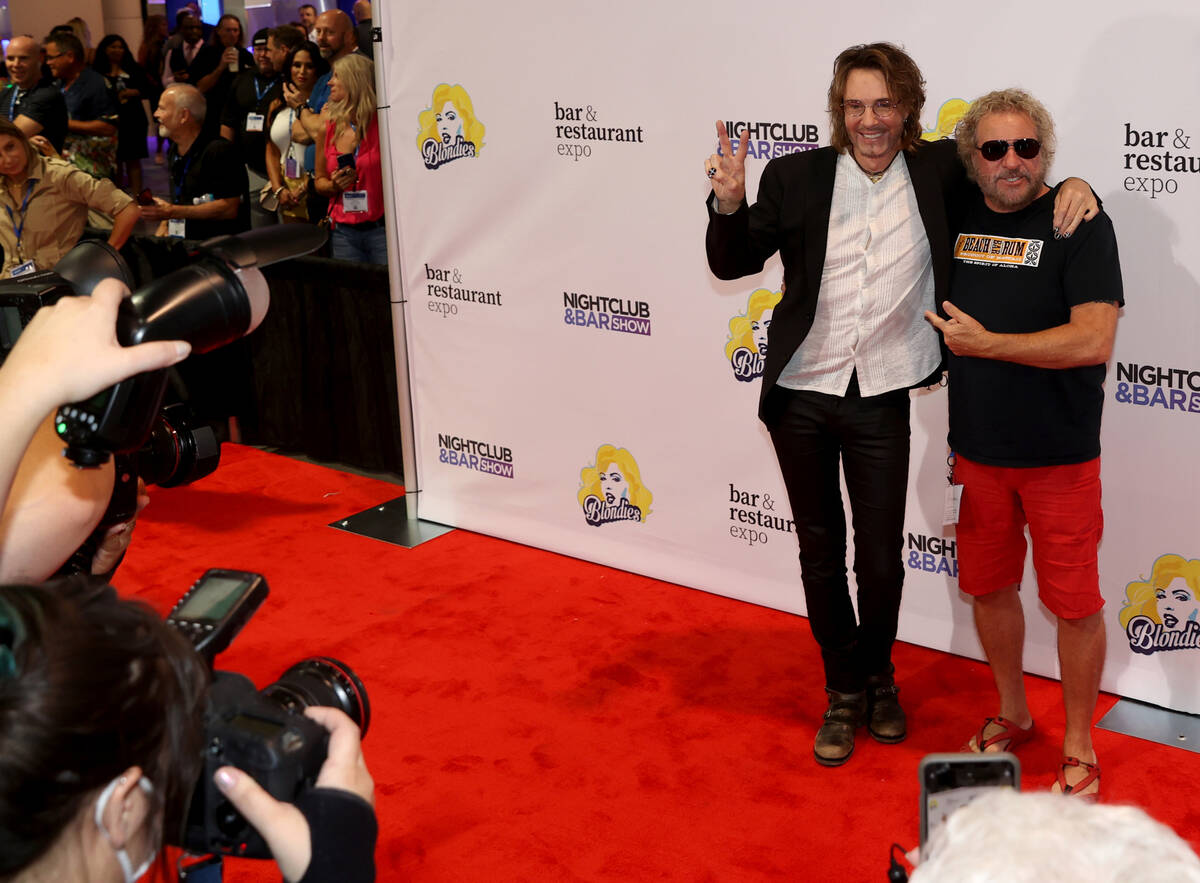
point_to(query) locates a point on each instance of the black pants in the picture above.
(870, 436)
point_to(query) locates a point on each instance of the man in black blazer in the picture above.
(862, 230)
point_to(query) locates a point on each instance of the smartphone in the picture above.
(345, 160)
(951, 781)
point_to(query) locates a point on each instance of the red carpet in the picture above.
(541, 718)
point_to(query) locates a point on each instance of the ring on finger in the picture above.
(711, 171)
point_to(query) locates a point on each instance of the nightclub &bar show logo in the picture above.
(449, 129)
(606, 313)
(611, 488)
(767, 139)
(746, 348)
(467, 453)
(1160, 613)
(1157, 386)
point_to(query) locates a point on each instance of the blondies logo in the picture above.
(578, 127)
(449, 129)
(468, 453)
(447, 290)
(611, 489)
(932, 554)
(746, 348)
(1156, 386)
(1001, 251)
(606, 313)
(753, 513)
(766, 140)
(1166, 153)
(948, 116)
(1160, 613)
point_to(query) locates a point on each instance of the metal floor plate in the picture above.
(390, 523)
(1154, 724)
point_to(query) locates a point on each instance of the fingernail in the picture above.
(182, 348)
(225, 778)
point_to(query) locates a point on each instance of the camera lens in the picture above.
(322, 680)
(180, 449)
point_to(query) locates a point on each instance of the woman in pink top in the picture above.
(348, 169)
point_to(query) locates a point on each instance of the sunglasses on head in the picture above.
(1026, 148)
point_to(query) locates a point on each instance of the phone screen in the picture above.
(951, 781)
(345, 160)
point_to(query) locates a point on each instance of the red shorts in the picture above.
(1061, 505)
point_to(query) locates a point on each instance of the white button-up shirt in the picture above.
(875, 288)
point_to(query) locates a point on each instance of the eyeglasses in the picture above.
(1026, 148)
(883, 108)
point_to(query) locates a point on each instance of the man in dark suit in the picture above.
(861, 227)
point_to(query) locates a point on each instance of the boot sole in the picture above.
(887, 740)
(826, 761)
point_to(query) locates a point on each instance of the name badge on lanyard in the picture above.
(254, 122)
(23, 269)
(176, 227)
(354, 201)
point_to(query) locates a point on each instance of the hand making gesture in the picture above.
(727, 172)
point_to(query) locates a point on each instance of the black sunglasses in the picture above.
(1026, 148)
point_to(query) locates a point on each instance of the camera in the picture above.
(216, 297)
(262, 732)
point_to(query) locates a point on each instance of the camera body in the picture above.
(264, 732)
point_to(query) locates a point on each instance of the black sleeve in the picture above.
(224, 172)
(1092, 270)
(343, 829)
(739, 244)
(231, 112)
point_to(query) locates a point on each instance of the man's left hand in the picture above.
(1074, 203)
(963, 335)
(159, 211)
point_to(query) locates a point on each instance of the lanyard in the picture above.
(16, 100)
(12, 220)
(183, 175)
(259, 93)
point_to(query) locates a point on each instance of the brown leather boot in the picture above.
(835, 739)
(886, 721)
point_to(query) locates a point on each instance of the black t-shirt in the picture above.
(251, 93)
(212, 166)
(1013, 276)
(43, 104)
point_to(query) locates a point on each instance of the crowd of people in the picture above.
(281, 131)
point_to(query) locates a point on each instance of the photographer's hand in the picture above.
(282, 825)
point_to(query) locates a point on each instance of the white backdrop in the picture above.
(556, 298)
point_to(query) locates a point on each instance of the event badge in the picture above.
(175, 227)
(953, 504)
(354, 201)
(254, 122)
(23, 269)
(291, 168)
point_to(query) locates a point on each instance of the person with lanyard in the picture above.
(225, 59)
(243, 120)
(348, 165)
(290, 181)
(31, 102)
(92, 128)
(336, 39)
(208, 177)
(46, 202)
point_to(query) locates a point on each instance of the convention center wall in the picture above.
(564, 335)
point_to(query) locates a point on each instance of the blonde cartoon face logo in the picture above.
(746, 348)
(449, 128)
(947, 119)
(1163, 612)
(611, 489)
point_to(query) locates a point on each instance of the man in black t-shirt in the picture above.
(208, 177)
(1030, 325)
(32, 103)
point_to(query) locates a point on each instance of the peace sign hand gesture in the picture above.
(727, 172)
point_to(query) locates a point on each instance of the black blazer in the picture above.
(791, 216)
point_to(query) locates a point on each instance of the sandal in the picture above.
(1009, 733)
(1093, 775)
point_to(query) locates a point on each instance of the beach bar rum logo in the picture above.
(746, 348)
(611, 488)
(1161, 613)
(449, 129)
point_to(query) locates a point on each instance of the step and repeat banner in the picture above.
(582, 383)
